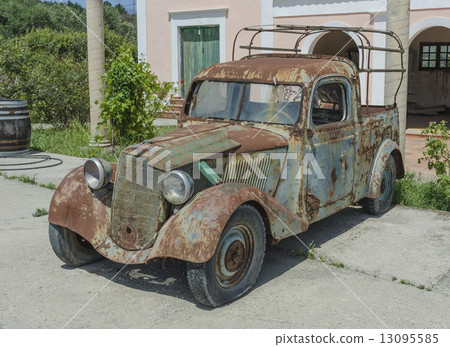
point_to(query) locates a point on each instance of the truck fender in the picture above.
(386, 149)
(75, 206)
(194, 232)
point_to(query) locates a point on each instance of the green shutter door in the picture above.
(199, 49)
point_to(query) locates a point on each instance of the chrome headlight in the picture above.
(97, 172)
(178, 187)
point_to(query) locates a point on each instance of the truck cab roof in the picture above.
(279, 69)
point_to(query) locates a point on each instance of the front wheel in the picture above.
(70, 247)
(383, 202)
(236, 263)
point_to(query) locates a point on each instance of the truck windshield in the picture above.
(264, 103)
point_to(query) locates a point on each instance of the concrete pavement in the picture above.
(45, 175)
(413, 245)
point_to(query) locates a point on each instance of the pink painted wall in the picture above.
(240, 14)
(418, 15)
(243, 13)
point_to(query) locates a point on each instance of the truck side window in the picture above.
(329, 104)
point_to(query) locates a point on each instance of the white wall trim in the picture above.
(378, 60)
(428, 4)
(427, 23)
(195, 18)
(288, 8)
(223, 9)
(141, 17)
(310, 42)
(266, 19)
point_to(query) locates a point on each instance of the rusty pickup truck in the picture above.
(267, 145)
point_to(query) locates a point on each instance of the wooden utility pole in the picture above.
(397, 20)
(96, 62)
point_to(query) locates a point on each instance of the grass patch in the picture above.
(394, 279)
(410, 191)
(48, 186)
(40, 212)
(336, 264)
(309, 253)
(74, 141)
(409, 283)
(22, 178)
(406, 282)
(27, 179)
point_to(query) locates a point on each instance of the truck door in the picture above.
(330, 147)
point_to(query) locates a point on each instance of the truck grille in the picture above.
(138, 208)
(241, 172)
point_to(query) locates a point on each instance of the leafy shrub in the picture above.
(56, 88)
(132, 98)
(50, 70)
(437, 152)
(412, 192)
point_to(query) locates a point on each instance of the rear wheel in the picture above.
(70, 247)
(383, 202)
(236, 263)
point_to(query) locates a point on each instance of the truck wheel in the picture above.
(383, 202)
(236, 263)
(70, 247)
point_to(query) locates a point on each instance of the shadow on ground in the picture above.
(168, 277)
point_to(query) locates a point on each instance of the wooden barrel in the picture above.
(15, 127)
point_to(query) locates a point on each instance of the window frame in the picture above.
(347, 86)
(437, 59)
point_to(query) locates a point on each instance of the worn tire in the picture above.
(208, 283)
(383, 202)
(70, 247)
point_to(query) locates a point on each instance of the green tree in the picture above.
(49, 69)
(19, 17)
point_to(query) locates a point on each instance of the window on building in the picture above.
(434, 56)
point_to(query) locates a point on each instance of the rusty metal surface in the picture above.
(350, 155)
(174, 151)
(295, 70)
(138, 212)
(81, 210)
(387, 148)
(193, 233)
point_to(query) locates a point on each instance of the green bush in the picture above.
(437, 153)
(132, 98)
(410, 191)
(56, 87)
(50, 70)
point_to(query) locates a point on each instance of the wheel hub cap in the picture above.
(234, 256)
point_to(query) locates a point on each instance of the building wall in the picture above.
(428, 88)
(164, 17)
(161, 16)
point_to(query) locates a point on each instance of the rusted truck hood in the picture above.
(177, 148)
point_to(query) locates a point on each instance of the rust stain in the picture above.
(333, 175)
(312, 206)
(76, 207)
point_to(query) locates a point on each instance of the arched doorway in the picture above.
(429, 72)
(332, 44)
